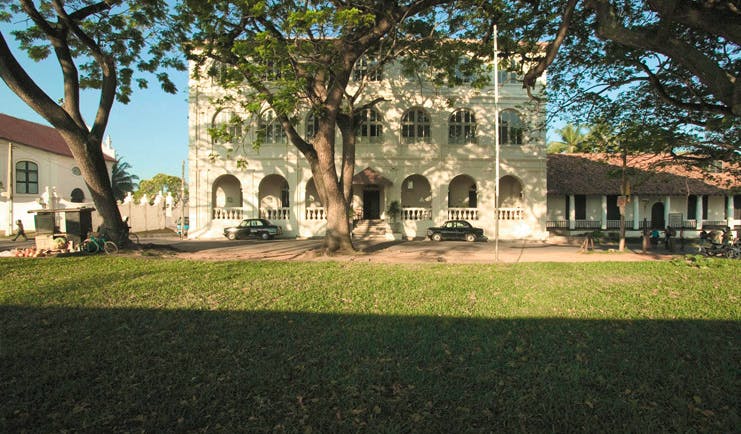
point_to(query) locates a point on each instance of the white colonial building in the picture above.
(37, 171)
(427, 147)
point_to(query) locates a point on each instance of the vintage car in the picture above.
(260, 228)
(455, 230)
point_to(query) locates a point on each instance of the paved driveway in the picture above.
(399, 251)
(417, 251)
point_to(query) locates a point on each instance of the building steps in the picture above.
(372, 230)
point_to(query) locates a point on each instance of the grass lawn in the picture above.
(103, 344)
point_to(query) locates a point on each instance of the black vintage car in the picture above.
(260, 228)
(455, 230)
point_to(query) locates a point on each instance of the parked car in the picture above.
(260, 228)
(183, 228)
(455, 230)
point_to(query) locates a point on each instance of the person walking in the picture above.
(21, 231)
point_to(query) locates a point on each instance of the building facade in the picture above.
(37, 171)
(428, 149)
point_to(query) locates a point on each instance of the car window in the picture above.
(244, 224)
(465, 224)
(256, 223)
(449, 225)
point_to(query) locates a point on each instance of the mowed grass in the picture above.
(103, 344)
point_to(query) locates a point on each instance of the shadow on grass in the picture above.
(159, 370)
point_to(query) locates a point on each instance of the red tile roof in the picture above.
(35, 135)
(648, 174)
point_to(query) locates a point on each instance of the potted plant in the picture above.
(393, 211)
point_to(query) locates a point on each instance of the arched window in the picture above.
(270, 129)
(312, 125)
(77, 196)
(26, 177)
(369, 127)
(510, 128)
(367, 68)
(415, 126)
(462, 127)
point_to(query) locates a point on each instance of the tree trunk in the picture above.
(347, 131)
(89, 155)
(337, 237)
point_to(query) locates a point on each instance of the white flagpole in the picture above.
(496, 147)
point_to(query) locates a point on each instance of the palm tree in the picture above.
(123, 181)
(572, 140)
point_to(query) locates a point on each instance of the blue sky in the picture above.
(151, 132)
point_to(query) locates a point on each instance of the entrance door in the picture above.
(371, 204)
(657, 216)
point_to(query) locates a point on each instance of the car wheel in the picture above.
(470, 238)
(436, 237)
(265, 236)
(232, 236)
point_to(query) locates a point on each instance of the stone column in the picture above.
(603, 218)
(667, 209)
(698, 212)
(572, 212)
(636, 212)
(729, 210)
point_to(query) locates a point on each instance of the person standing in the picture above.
(21, 231)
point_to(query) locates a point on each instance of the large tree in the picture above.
(98, 45)
(675, 63)
(296, 56)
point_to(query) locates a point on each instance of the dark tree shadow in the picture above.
(102, 370)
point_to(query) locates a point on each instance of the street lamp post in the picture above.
(496, 147)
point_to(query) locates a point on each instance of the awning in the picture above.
(369, 176)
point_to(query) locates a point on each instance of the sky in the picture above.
(150, 133)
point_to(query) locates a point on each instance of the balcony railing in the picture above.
(228, 214)
(416, 214)
(463, 214)
(276, 213)
(316, 213)
(511, 214)
(557, 224)
(587, 224)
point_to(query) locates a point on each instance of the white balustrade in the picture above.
(408, 213)
(511, 214)
(315, 214)
(276, 213)
(463, 214)
(228, 213)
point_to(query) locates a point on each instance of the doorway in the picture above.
(657, 216)
(371, 203)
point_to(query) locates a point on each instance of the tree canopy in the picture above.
(670, 65)
(161, 183)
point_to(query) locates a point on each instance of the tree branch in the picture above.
(719, 83)
(23, 85)
(528, 80)
(108, 69)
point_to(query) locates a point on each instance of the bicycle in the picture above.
(97, 244)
